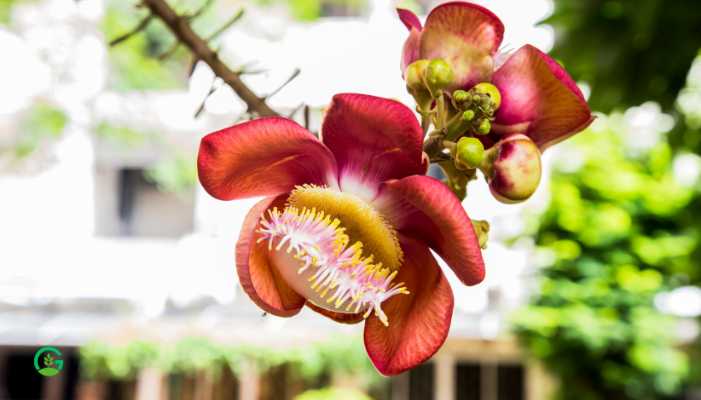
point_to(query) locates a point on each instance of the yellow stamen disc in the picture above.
(363, 223)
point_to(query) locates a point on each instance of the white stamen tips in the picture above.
(331, 272)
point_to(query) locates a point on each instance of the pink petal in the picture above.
(467, 36)
(373, 139)
(539, 94)
(409, 19)
(425, 209)
(418, 322)
(267, 156)
(410, 52)
(258, 277)
(344, 318)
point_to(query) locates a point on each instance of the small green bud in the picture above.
(484, 127)
(490, 90)
(439, 74)
(482, 231)
(468, 115)
(469, 152)
(461, 96)
(415, 74)
(486, 102)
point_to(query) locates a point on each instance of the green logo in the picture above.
(49, 364)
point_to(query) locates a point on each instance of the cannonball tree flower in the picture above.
(347, 223)
(490, 95)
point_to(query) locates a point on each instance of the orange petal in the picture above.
(344, 318)
(425, 209)
(418, 322)
(263, 157)
(259, 278)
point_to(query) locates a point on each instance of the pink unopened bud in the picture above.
(515, 169)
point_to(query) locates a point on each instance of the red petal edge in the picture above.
(425, 209)
(409, 19)
(418, 322)
(344, 318)
(263, 157)
(260, 279)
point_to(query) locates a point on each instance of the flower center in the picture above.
(334, 249)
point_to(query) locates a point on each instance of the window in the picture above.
(127, 204)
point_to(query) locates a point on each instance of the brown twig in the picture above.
(171, 50)
(139, 27)
(234, 19)
(213, 88)
(307, 117)
(205, 6)
(295, 73)
(181, 28)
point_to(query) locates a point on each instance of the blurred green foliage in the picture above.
(41, 123)
(629, 51)
(6, 9)
(618, 230)
(309, 10)
(151, 60)
(333, 394)
(340, 355)
(175, 174)
(120, 135)
(134, 63)
(688, 132)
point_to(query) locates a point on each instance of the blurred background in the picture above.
(111, 252)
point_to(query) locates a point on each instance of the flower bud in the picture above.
(468, 115)
(461, 96)
(469, 152)
(515, 170)
(490, 90)
(482, 231)
(484, 127)
(415, 74)
(439, 74)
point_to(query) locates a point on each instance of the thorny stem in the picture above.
(180, 27)
(138, 28)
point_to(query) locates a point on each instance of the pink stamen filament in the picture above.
(317, 240)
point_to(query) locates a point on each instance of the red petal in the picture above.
(260, 279)
(344, 318)
(537, 91)
(373, 138)
(425, 209)
(467, 36)
(418, 322)
(410, 52)
(267, 156)
(409, 19)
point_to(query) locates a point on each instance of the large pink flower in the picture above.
(347, 224)
(538, 97)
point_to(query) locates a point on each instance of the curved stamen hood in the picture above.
(326, 255)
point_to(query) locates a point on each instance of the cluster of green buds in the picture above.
(476, 108)
(460, 120)
(426, 81)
